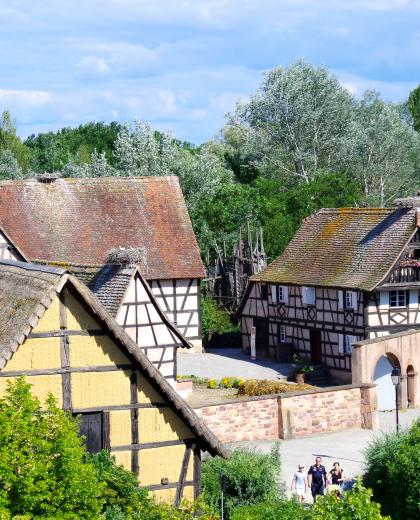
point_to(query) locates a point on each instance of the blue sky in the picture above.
(182, 64)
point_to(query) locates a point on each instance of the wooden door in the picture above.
(316, 347)
(261, 336)
(91, 427)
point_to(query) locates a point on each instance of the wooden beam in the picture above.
(151, 445)
(66, 332)
(182, 475)
(64, 354)
(65, 370)
(120, 407)
(197, 471)
(134, 423)
(157, 487)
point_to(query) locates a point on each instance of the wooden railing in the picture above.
(405, 274)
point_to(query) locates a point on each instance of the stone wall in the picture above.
(249, 419)
(292, 415)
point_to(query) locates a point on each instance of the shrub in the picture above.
(354, 505)
(266, 387)
(252, 478)
(214, 319)
(230, 382)
(212, 383)
(279, 510)
(392, 464)
(43, 468)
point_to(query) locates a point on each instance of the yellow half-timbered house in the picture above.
(61, 338)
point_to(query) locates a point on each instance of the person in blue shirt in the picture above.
(317, 478)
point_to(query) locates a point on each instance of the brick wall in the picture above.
(293, 414)
(248, 419)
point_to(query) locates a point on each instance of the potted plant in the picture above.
(301, 368)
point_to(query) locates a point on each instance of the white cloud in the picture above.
(33, 98)
(95, 64)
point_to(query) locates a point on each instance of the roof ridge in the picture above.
(82, 180)
(29, 266)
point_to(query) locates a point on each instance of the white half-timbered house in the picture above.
(348, 274)
(82, 225)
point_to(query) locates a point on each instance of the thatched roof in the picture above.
(27, 290)
(82, 221)
(351, 248)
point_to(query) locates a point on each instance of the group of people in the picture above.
(317, 480)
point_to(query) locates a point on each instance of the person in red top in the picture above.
(317, 478)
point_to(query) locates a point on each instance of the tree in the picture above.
(392, 462)
(413, 104)
(10, 141)
(9, 167)
(298, 121)
(141, 152)
(382, 149)
(43, 471)
(251, 478)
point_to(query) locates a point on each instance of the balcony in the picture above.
(407, 272)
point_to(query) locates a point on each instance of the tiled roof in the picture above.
(347, 247)
(80, 221)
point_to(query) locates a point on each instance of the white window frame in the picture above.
(307, 291)
(397, 301)
(282, 293)
(282, 334)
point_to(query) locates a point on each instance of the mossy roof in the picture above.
(26, 292)
(351, 248)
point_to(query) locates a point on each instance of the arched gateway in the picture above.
(373, 360)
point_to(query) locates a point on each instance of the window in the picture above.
(397, 298)
(95, 428)
(349, 299)
(264, 291)
(281, 333)
(308, 295)
(279, 294)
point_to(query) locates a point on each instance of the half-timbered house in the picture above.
(57, 335)
(96, 228)
(347, 275)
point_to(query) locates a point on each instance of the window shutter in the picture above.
(286, 294)
(354, 300)
(341, 300)
(304, 295)
(414, 298)
(341, 343)
(274, 293)
(384, 299)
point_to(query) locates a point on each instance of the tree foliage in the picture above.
(251, 478)
(392, 464)
(43, 471)
(413, 105)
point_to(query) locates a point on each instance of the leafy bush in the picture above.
(251, 478)
(214, 319)
(230, 382)
(212, 383)
(267, 387)
(43, 468)
(354, 505)
(392, 464)
(279, 510)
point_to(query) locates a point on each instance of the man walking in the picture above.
(317, 478)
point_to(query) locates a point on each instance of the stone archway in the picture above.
(385, 390)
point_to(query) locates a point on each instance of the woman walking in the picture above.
(337, 476)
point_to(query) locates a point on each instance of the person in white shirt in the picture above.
(299, 483)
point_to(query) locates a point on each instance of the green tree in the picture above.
(43, 471)
(251, 478)
(392, 462)
(213, 319)
(9, 167)
(413, 104)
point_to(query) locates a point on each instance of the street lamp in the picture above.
(396, 379)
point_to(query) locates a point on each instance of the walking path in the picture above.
(346, 447)
(230, 362)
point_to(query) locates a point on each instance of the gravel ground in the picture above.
(230, 362)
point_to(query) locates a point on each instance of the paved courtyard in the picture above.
(230, 362)
(345, 447)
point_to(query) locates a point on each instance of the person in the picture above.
(337, 476)
(317, 478)
(299, 483)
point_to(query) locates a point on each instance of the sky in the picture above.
(183, 64)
